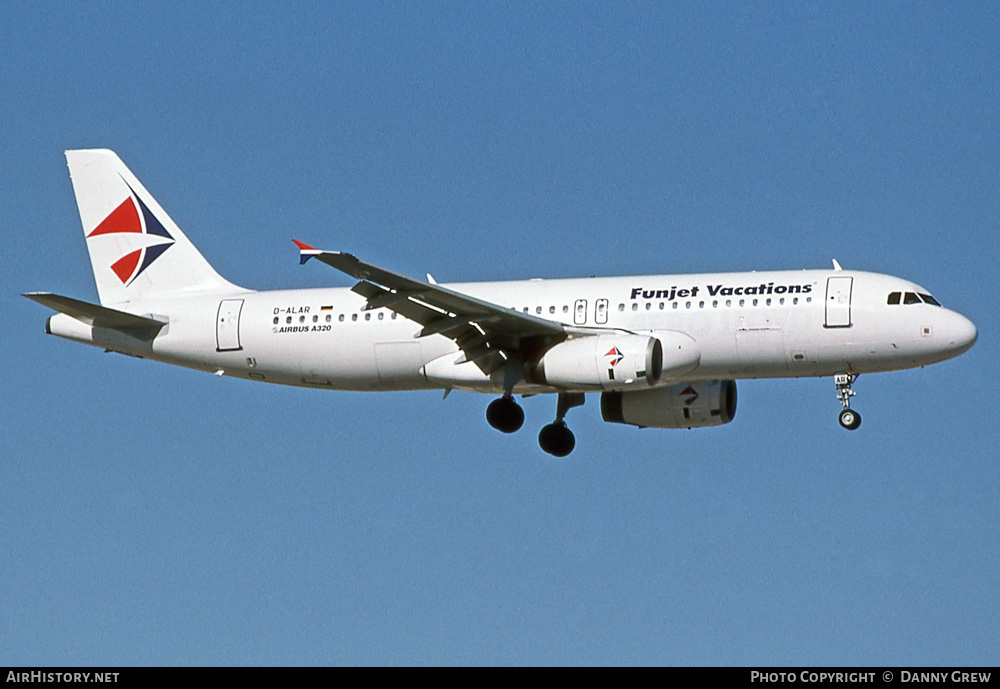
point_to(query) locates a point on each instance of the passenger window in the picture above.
(893, 298)
(911, 298)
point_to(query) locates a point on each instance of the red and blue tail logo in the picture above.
(132, 217)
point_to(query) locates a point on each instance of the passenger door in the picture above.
(838, 302)
(227, 329)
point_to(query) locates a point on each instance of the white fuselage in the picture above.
(663, 350)
(746, 325)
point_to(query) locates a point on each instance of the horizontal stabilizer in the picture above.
(94, 315)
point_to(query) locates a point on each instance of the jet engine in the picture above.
(601, 362)
(687, 405)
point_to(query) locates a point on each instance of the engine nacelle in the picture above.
(687, 405)
(601, 362)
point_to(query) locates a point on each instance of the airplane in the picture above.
(663, 351)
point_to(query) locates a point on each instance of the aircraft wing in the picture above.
(487, 333)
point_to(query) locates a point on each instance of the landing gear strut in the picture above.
(849, 418)
(505, 414)
(556, 438)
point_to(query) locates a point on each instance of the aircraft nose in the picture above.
(962, 333)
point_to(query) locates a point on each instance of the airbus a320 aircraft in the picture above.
(663, 351)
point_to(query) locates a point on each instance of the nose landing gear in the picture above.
(848, 418)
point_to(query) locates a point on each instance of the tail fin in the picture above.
(136, 250)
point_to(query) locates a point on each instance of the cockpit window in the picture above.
(911, 298)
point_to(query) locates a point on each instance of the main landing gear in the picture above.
(505, 415)
(556, 438)
(848, 418)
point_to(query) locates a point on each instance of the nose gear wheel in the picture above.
(848, 418)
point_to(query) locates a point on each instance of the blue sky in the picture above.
(154, 515)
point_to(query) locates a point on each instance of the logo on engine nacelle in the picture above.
(691, 394)
(616, 356)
